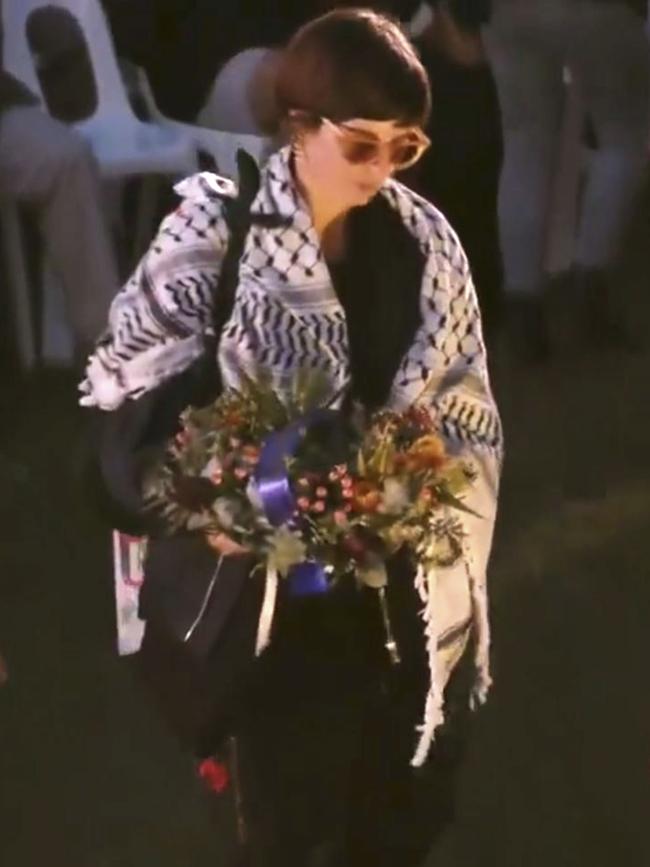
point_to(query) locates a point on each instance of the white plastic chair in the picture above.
(228, 106)
(123, 145)
(221, 146)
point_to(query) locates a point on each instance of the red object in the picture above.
(214, 774)
(355, 547)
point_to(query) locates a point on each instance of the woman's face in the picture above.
(350, 161)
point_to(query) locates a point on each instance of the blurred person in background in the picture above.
(460, 173)
(605, 47)
(49, 168)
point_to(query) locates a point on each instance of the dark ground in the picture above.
(558, 773)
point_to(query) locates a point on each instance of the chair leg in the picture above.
(57, 343)
(19, 286)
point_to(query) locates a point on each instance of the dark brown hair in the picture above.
(353, 63)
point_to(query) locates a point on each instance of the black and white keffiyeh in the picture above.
(287, 316)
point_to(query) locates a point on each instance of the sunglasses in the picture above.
(358, 146)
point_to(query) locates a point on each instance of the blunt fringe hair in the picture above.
(353, 63)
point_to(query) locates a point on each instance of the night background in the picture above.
(558, 767)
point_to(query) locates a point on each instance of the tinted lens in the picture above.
(358, 151)
(405, 154)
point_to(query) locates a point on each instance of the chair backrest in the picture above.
(221, 145)
(111, 96)
(228, 105)
(16, 55)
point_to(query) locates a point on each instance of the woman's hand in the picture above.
(224, 545)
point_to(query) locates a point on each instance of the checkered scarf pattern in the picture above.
(287, 316)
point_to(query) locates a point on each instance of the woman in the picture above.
(365, 281)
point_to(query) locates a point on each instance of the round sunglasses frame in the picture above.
(419, 141)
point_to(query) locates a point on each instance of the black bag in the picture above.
(130, 434)
(201, 611)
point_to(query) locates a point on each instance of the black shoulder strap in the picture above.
(238, 216)
(135, 428)
(237, 213)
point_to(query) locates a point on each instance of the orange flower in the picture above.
(366, 497)
(427, 453)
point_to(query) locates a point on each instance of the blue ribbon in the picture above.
(307, 579)
(278, 500)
